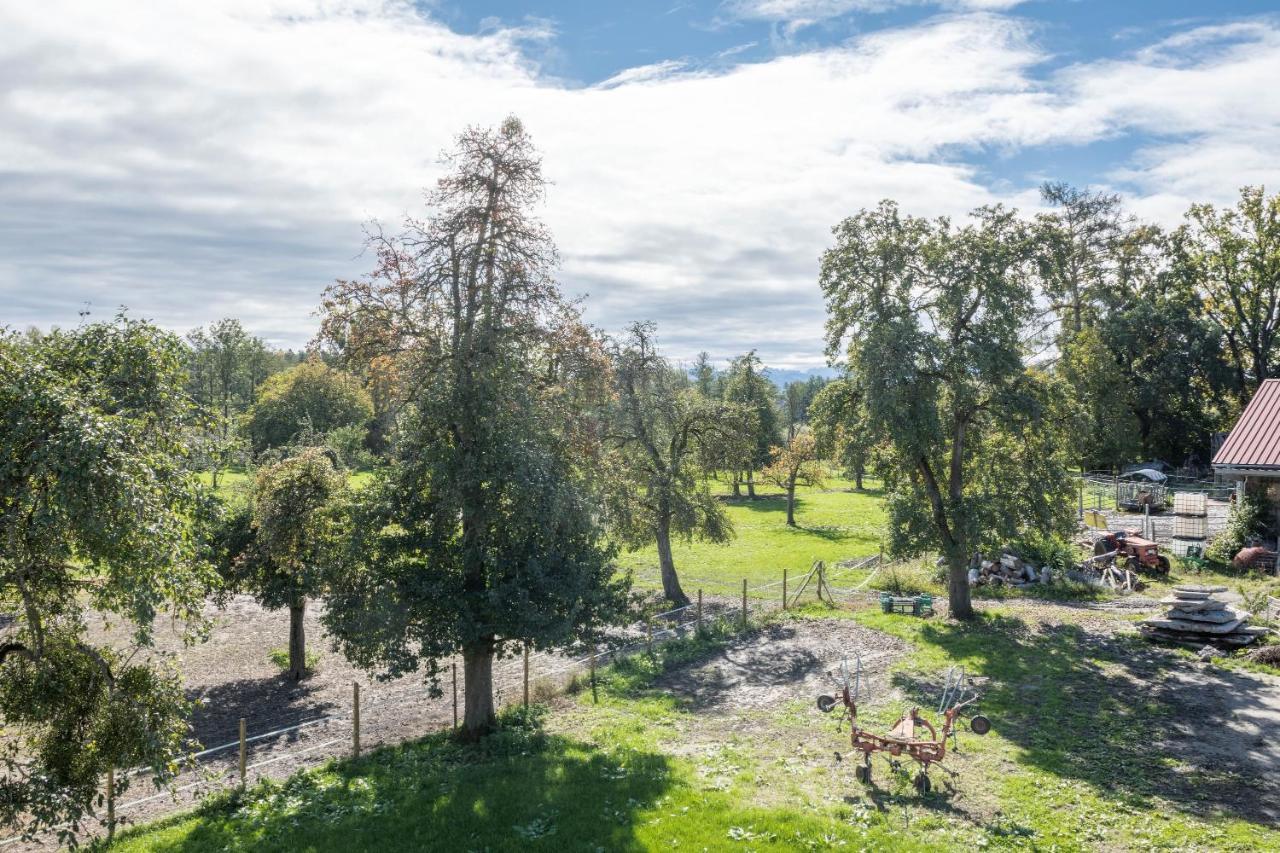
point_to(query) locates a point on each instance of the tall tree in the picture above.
(932, 317)
(482, 534)
(1236, 257)
(97, 511)
(747, 386)
(843, 431)
(1075, 251)
(660, 427)
(795, 464)
(308, 398)
(706, 377)
(226, 366)
(279, 546)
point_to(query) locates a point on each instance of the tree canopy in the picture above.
(660, 428)
(279, 547)
(97, 510)
(482, 534)
(932, 319)
(310, 398)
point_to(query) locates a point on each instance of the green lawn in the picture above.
(834, 523)
(233, 485)
(1068, 766)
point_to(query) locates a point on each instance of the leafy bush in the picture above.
(349, 443)
(1049, 551)
(1246, 519)
(280, 657)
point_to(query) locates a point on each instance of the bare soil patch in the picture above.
(782, 662)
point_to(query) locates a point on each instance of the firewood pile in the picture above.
(1199, 616)
(1008, 569)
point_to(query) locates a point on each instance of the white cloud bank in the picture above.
(197, 160)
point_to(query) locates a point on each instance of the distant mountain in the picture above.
(782, 377)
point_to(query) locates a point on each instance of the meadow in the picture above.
(654, 764)
(833, 523)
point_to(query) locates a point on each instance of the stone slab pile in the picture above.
(1199, 616)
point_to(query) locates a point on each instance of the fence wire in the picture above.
(218, 769)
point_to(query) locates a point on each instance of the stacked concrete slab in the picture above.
(1199, 616)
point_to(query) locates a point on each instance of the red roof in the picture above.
(1254, 441)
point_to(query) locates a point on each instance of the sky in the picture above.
(198, 159)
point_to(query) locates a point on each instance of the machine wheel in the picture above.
(1162, 565)
(862, 773)
(1100, 547)
(923, 785)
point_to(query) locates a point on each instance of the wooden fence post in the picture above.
(648, 636)
(111, 803)
(784, 589)
(744, 602)
(455, 694)
(699, 611)
(526, 673)
(355, 718)
(595, 697)
(243, 753)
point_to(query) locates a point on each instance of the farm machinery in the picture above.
(1138, 553)
(912, 737)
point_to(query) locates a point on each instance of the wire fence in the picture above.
(720, 605)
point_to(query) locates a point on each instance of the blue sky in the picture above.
(194, 159)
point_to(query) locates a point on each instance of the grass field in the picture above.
(833, 523)
(1069, 766)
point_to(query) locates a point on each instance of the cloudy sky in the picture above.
(195, 160)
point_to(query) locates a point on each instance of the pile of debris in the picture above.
(1008, 569)
(1199, 616)
(1102, 570)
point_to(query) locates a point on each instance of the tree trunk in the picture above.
(791, 505)
(670, 582)
(478, 716)
(751, 484)
(857, 478)
(297, 640)
(958, 593)
(737, 484)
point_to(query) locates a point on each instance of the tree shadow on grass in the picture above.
(512, 792)
(1132, 720)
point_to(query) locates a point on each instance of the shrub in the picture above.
(1246, 519)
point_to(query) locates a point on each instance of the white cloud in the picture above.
(203, 159)
(809, 11)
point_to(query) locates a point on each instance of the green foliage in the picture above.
(278, 547)
(844, 431)
(933, 318)
(482, 533)
(660, 429)
(350, 445)
(280, 657)
(750, 389)
(1233, 255)
(310, 397)
(1246, 519)
(97, 510)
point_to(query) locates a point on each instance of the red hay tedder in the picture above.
(912, 736)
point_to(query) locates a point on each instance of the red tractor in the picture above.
(1140, 554)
